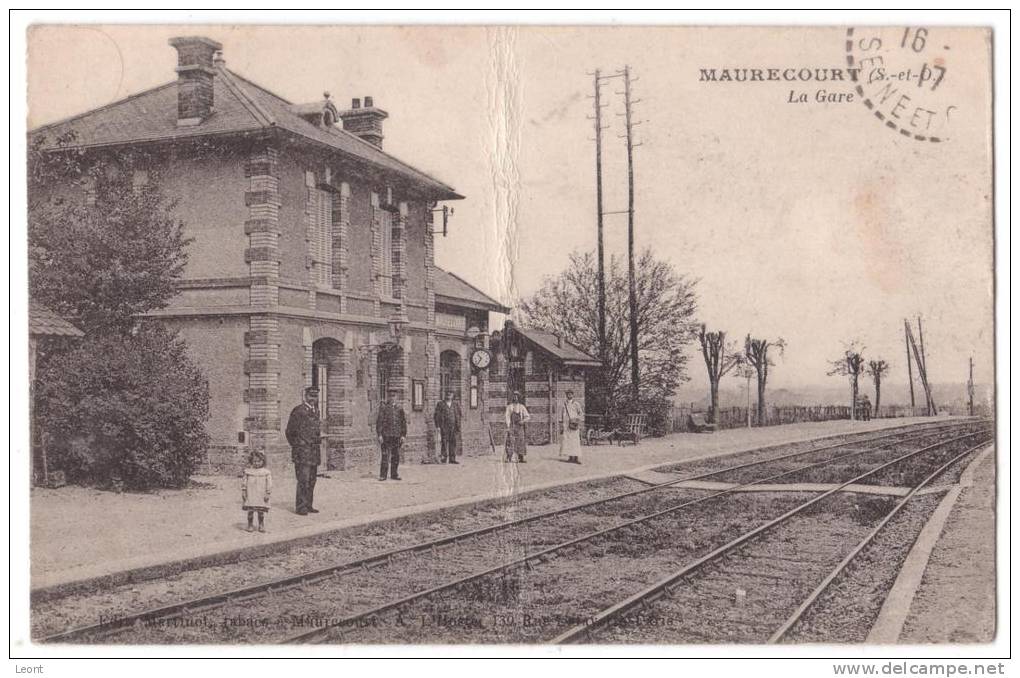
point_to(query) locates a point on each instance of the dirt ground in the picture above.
(956, 600)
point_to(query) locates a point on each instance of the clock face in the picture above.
(480, 358)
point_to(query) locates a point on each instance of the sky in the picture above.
(810, 222)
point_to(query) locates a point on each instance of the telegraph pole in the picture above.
(923, 369)
(631, 275)
(970, 389)
(910, 372)
(628, 103)
(598, 211)
(922, 372)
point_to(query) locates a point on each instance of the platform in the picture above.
(82, 534)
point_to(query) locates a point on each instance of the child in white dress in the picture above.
(256, 486)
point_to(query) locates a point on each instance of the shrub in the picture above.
(655, 407)
(127, 407)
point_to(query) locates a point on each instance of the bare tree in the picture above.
(566, 305)
(876, 368)
(850, 365)
(756, 352)
(719, 360)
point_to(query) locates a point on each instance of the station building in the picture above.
(311, 263)
(541, 367)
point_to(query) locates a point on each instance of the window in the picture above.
(320, 236)
(386, 252)
(320, 380)
(326, 376)
(388, 370)
(418, 395)
(451, 321)
(359, 374)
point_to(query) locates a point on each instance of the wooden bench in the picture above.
(697, 423)
(633, 430)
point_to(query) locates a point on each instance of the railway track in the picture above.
(713, 589)
(162, 616)
(429, 603)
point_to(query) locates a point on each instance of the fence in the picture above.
(736, 417)
(950, 409)
(895, 411)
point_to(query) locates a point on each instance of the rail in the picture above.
(221, 598)
(664, 586)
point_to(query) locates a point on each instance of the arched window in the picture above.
(450, 374)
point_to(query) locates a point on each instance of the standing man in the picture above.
(391, 427)
(447, 420)
(305, 437)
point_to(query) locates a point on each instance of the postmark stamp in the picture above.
(904, 77)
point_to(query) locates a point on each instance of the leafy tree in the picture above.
(105, 259)
(850, 365)
(130, 408)
(875, 369)
(567, 305)
(756, 353)
(719, 360)
(126, 401)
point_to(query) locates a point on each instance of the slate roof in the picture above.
(451, 289)
(240, 106)
(44, 322)
(559, 348)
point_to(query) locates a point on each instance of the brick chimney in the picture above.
(365, 122)
(195, 73)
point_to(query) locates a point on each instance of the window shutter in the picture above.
(386, 255)
(321, 244)
(325, 218)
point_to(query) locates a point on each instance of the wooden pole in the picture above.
(550, 408)
(924, 370)
(634, 372)
(970, 388)
(922, 373)
(598, 211)
(910, 372)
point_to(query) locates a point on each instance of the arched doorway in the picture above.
(328, 377)
(389, 370)
(450, 374)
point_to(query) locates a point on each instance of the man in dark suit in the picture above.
(305, 437)
(391, 427)
(447, 418)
